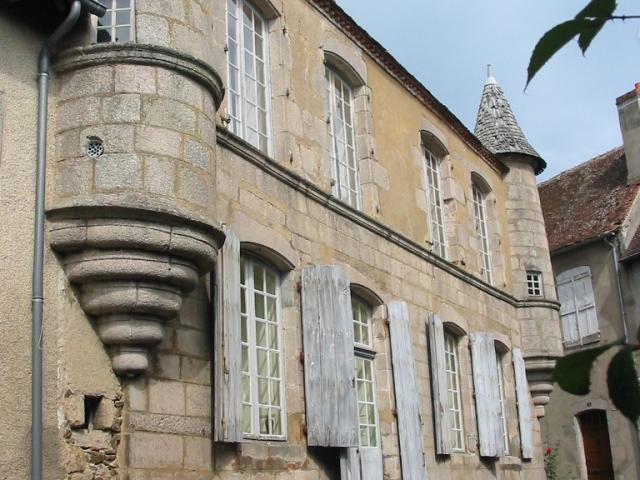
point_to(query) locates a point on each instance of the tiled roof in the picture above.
(378, 53)
(587, 202)
(497, 127)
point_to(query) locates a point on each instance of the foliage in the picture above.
(551, 463)
(572, 373)
(585, 25)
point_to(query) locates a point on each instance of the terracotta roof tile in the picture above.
(587, 201)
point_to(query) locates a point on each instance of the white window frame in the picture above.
(340, 114)
(569, 307)
(482, 231)
(534, 283)
(364, 353)
(247, 98)
(111, 8)
(452, 370)
(502, 403)
(435, 202)
(248, 265)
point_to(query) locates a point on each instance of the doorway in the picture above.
(597, 446)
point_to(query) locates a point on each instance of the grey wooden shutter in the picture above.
(227, 347)
(328, 358)
(406, 390)
(485, 381)
(568, 317)
(371, 463)
(439, 389)
(350, 464)
(577, 305)
(524, 407)
(585, 303)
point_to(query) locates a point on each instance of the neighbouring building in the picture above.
(270, 253)
(592, 215)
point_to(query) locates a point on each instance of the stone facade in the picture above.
(133, 236)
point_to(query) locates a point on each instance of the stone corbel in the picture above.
(540, 378)
(132, 270)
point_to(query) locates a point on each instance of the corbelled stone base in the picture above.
(132, 274)
(540, 377)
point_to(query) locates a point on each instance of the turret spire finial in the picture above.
(490, 77)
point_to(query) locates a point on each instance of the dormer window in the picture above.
(117, 24)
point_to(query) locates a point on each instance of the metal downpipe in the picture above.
(616, 265)
(37, 299)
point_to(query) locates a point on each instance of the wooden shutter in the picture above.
(485, 381)
(350, 464)
(439, 388)
(524, 407)
(227, 347)
(406, 390)
(328, 358)
(577, 305)
(569, 320)
(371, 463)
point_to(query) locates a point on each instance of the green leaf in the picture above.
(551, 42)
(589, 33)
(598, 9)
(624, 388)
(573, 371)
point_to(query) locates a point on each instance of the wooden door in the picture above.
(597, 447)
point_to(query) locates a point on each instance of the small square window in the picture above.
(534, 284)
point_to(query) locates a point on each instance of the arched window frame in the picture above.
(249, 342)
(434, 153)
(246, 105)
(453, 335)
(480, 191)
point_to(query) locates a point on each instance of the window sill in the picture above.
(263, 439)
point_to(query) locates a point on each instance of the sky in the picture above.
(568, 112)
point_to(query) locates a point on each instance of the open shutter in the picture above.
(485, 381)
(570, 334)
(585, 303)
(227, 347)
(407, 399)
(328, 358)
(524, 407)
(439, 385)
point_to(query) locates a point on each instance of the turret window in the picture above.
(534, 284)
(248, 75)
(117, 24)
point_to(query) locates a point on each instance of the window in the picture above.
(453, 388)
(480, 215)
(344, 167)
(262, 383)
(117, 25)
(434, 198)
(503, 415)
(534, 283)
(365, 380)
(247, 67)
(577, 306)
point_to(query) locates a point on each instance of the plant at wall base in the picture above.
(551, 463)
(573, 374)
(585, 25)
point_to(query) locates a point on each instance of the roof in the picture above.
(587, 202)
(386, 61)
(497, 127)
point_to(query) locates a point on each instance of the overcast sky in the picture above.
(568, 112)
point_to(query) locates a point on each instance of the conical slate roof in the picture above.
(496, 126)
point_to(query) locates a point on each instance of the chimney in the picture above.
(629, 113)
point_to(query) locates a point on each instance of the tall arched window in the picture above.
(261, 339)
(434, 198)
(503, 413)
(365, 373)
(482, 230)
(340, 125)
(248, 73)
(452, 369)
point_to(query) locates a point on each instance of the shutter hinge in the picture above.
(301, 357)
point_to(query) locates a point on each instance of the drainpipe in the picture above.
(37, 299)
(616, 265)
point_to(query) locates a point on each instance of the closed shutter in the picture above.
(524, 407)
(485, 381)
(227, 346)
(439, 388)
(407, 399)
(577, 305)
(328, 358)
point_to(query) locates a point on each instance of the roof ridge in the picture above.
(580, 166)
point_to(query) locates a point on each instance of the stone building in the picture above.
(269, 253)
(594, 237)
